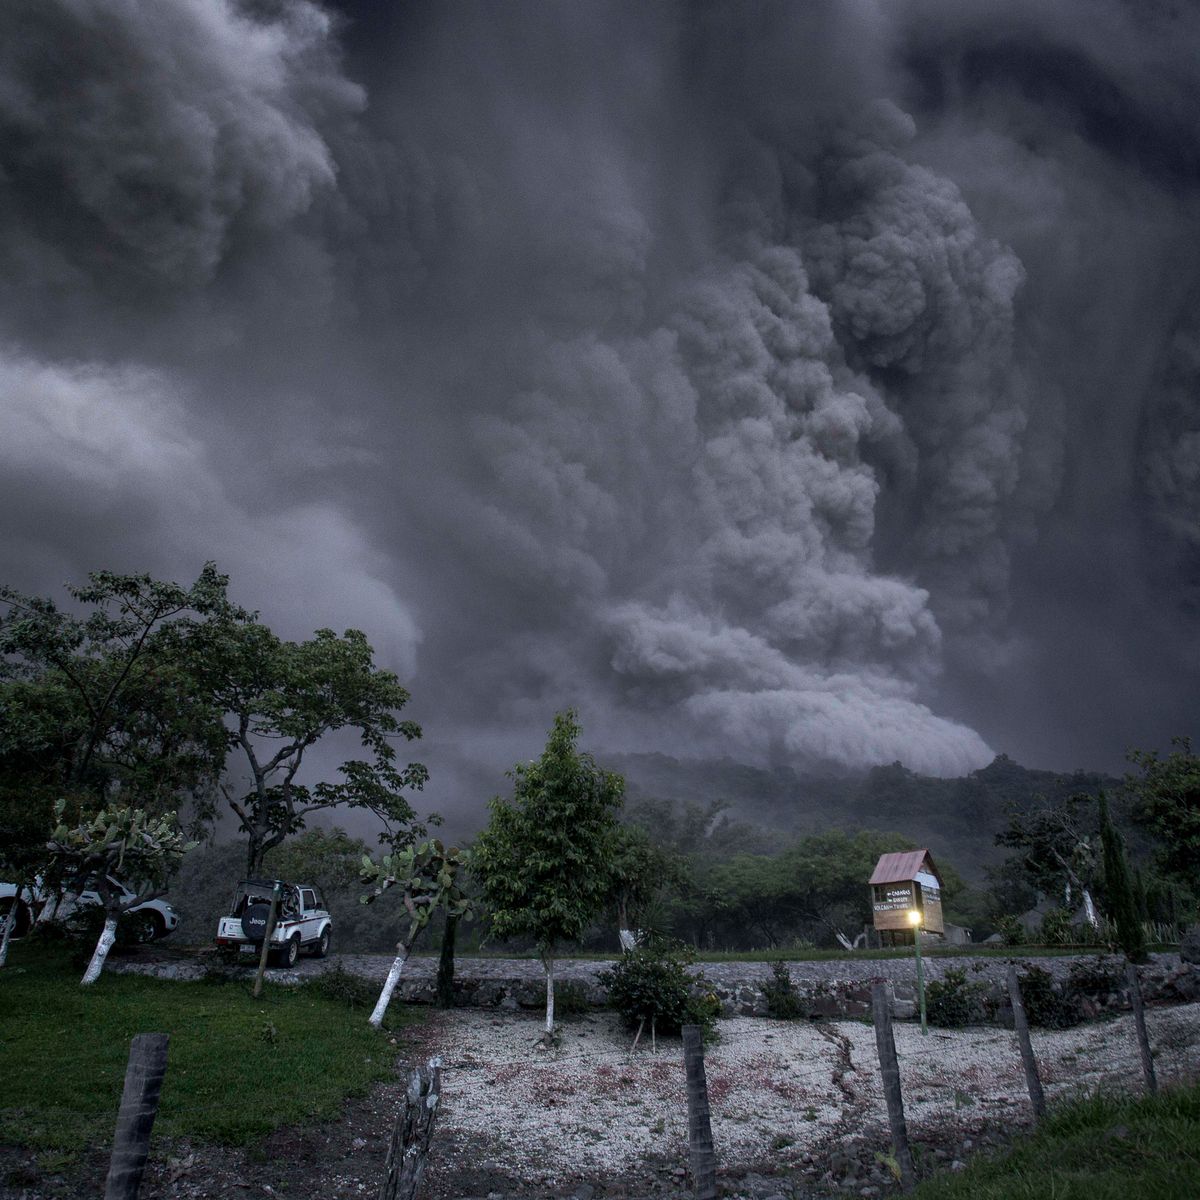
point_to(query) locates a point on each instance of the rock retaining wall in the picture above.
(838, 988)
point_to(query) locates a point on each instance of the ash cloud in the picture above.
(809, 384)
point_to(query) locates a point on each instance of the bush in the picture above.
(1045, 1005)
(570, 1000)
(653, 984)
(1057, 929)
(784, 1003)
(81, 931)
(952, 1001)
(1011, 931)
(338, 985)
(1095, 978)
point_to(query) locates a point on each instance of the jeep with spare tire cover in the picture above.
(302, 923)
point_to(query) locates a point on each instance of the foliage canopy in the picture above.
(545, 858)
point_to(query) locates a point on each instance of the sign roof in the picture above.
(904, 865)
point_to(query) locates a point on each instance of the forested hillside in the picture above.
(956, 818)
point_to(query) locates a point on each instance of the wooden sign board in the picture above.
(892, 902)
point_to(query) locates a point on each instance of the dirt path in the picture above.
(793, 1104)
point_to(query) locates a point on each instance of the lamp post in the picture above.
(914, 919)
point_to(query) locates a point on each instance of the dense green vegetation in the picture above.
(957, 817)
(1100, 1148)
(237, 1069)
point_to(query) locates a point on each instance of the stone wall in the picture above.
(838, 988)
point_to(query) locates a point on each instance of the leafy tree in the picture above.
(1168, 804)
(102, 704)
(1056, 844)
(1122, 904)
(640, 870)
(329, 858)
(27, 817)
(545, 859)
(126, 842)
(281, 698)
(817, 885)
(428, 876)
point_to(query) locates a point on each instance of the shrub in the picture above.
(653, 984)
(952, 1001)
(1095, 977)
(1057, 929)
(1045, 1005)
(784, 1003)
(81, 930)
(1011, 931)
(570, 1000)
(338, 985)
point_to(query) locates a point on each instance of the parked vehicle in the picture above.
(302, 921)
(147, 921)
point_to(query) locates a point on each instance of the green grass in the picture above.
(1099, 1148)
(237, 1068)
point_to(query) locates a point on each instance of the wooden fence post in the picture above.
(1139, 1020)
(276, 896)
(1033, 1080)
(701, 1155)
(889, 1067)
(413, 1133)
(139, 1106)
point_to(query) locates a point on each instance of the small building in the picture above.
(904, 883)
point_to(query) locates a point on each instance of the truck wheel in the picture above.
(290, 952)
(21, 923)
(145, 927)
(322, 947)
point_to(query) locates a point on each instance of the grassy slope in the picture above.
(1101, 1148)
(237, 1067)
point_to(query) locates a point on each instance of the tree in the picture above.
(27, 817)
(281, 698)
(1168, 804)
(639, 871)
(817, 886)
(1057, 851)
(120, 841)
(1122, 904)
(428, 878)
(104, 704)
(545, 859)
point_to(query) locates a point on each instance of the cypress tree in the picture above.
(445, 975)
(1141, 896)
(1121, 903)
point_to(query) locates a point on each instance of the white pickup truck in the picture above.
(301, 923)
(147, 921)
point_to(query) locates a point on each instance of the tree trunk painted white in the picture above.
(49, 909)
(10, 922)
(108, 935)
(548, 963)
(389, 984)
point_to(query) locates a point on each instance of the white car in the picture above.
(302, 921)
(149, 920)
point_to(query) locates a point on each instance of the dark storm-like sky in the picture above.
(809, 383)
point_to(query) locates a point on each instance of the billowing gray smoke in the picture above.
(804, 383)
